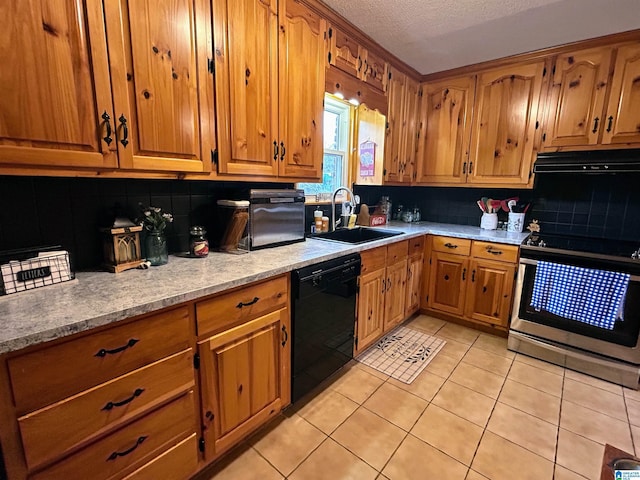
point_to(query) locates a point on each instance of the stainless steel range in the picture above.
(577, 304)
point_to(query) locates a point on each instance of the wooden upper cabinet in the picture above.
(576, 99)
(445, 130)
(163, 99)
(57, 108)
(623, 114)
(410, 129)
(344, 52)
(302, 82)
(503, 135)
(400, 136)
(374, 70)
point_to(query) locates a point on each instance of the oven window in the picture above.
(595, 303)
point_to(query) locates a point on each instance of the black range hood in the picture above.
(594, 161)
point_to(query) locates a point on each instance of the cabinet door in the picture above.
(623, 115)
(414, 284)
(445, 117)
(246, 62)
(393, 136)
(447, 282)
(370, 309)
(244, 377)
(374, 71)
(504, 127)
(576, 101)
(344, 52)
(490, 291)
(301, 77)
(410, 130)
(394, 295)
(163, 92)
(56, 109)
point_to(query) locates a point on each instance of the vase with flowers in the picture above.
(154, 221)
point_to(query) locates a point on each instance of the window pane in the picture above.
(331, 175)
(331, 132)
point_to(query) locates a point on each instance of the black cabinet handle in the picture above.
(595, 125)
(282, 151)
(107, 139)
(125, 130)
(464, 168)
(494, 252)
(275, 150)
(610, 125)
(286, 335)
(389, 284)
(247, 304)
(111, 405)
(473, 276)
(464, 274)
(115, 455)
(470, 168)
(103, 352)
(450, 245)
(384, 286)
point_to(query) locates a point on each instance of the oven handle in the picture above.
(528, 261)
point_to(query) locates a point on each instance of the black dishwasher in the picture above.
(324, 312)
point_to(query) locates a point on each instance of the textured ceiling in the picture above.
(436, 35)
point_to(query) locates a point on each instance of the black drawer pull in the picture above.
(286, 335)
(494, 252)
(136, 394)
(464, 274)
(247, 304)
(115, 455)
(450, 245)
(104, 352)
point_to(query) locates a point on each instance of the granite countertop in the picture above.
(99, 298)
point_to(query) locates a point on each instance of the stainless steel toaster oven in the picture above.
(276, 217)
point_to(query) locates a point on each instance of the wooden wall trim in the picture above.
(351, 87)
(629, 36)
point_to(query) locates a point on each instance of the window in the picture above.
(335, 163)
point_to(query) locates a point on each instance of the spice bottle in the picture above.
(325, 224)
(317, 219)
(198, 244)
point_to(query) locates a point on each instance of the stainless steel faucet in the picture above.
(333, 205)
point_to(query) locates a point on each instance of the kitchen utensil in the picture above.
(481, 205)
(495, 205)
(510, 204)
(485, 201)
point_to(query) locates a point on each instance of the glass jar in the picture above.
(198, 243)
(416, 214)
(155, 246)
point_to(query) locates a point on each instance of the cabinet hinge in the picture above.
(530, 174)
(330, 32)
(196, 361)
(389, 74)
(537, 124)
(356, 341)
(429, 261)
(553, 70)
(201, 444)
(329, 57)
(384, 172)
(210, 66)
(544, 72)
(544, 136)
(426, 299)
(214, 157)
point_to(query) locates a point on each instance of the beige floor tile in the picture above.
(635, 433)
(427, 324)
(594, 398)
(472, 475)
(594, 382)
(465, 403)
(459, 333)
(562, 473)
(488, 361)
(332, 461)
(530, 400)
(579, 454)
(328, 410)
(453, 348)
(287, 444)
(416, 460)
(493, 344)
(596, 426)
(372, 371)
(449, 433)
(632, 394)
(356, 384)
(542, 365)
(399, 407)
(534, 377)
(633, 408)
(499, 459)
(382, 477)
(370, 437)
(442, 365)
(425, 386)
(246, 464)
(525, 430)
(477, 379)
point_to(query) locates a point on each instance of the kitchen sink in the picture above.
(355, 235)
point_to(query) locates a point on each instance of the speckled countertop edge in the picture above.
(99, 298)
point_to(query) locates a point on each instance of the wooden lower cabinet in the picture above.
(394, 295)
(475, 283)
(178, 462)
(370, 308)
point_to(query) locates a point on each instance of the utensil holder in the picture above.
(489, 221)
(515, 222)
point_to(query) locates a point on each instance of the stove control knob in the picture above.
(529, 242)
(636, 255)
(542, 243)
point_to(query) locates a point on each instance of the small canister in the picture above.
(317, 220)
(198, 244)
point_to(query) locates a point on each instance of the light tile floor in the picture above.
(477, 412)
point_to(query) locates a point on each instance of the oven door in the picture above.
(617, 340)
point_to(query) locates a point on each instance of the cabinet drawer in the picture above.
(495, 251)
(455, 246)
(416, 246)
(52, 431)
(177, 463)
(373, 260)
(129, 447)
(44, 376)
(236, 307)
(397, 252)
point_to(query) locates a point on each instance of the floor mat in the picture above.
(403, 353)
